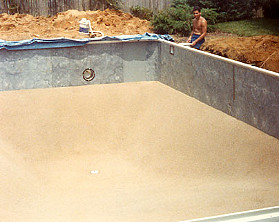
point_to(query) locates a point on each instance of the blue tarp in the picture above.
(63, 42)
(146, 36)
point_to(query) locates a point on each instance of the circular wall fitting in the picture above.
(88, 74)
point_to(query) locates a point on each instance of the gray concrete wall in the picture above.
(248, 93)
(113, 62)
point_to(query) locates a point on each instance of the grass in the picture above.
(250, 27)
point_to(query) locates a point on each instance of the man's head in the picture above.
(197, 12)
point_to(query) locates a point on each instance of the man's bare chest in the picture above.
(197, 24)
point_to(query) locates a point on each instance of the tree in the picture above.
(229, 9)
(178, 19)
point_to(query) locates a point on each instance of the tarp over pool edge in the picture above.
(64, 42)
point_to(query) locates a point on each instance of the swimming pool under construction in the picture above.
(135, 131)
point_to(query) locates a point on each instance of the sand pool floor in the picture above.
(128, 152)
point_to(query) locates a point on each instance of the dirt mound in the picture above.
(261, 51)
(66, 24)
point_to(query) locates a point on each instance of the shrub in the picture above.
(141, 12)
(175, 20)
(178, 19)
(179, 3)
(161, 23)
(228, 10)
(211, 17)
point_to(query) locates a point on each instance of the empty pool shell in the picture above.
(123, 138)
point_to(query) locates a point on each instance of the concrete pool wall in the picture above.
(248, 93)
(242, 91)
(113, 62)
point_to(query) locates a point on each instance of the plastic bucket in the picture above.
(84, 26)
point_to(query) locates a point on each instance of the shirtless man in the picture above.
(199, 29)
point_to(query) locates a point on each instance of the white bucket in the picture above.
(84, 26)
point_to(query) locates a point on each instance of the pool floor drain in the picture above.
(88, 74)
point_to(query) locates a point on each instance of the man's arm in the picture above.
(190, 37)
(204, 30)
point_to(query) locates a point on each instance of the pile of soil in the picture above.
(66, 24)
(261, 51)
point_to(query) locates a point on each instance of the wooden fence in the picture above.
(51, 7)
(155, 5)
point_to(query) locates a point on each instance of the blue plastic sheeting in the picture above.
(146, 36)
(41, 43)
(63, 42)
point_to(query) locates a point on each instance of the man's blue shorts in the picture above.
(199, 43)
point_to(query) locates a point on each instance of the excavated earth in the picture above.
(66, 24)
(261, 51)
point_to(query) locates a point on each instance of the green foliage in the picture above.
(141, 12)
(178, 19)
(161, 23)
(211, 17)
(250, 27)
(173, 20)
(203, 3)
(229, 10)
(179, 3)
